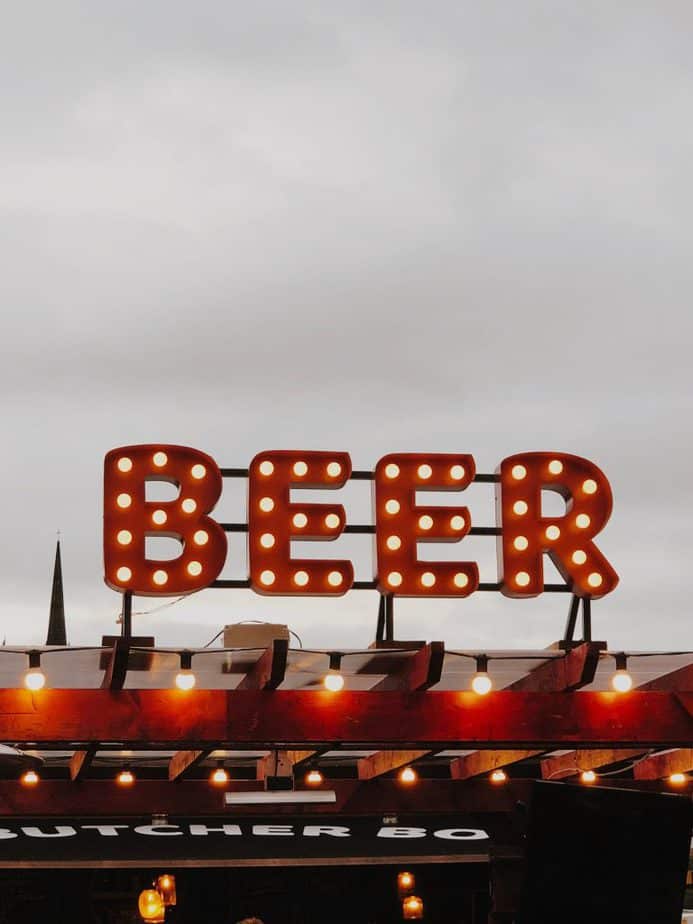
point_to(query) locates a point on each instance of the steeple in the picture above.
(57, 634)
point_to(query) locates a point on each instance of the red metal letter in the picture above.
(129, 519)
(567, 539)
(401, 524)
(273, 521)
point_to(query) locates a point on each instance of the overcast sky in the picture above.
(364, 226)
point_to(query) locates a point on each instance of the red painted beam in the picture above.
(309, 719)
(419, 672)
(574, 670)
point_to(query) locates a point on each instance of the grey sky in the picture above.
(357, 226)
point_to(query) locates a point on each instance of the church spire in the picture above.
(57, 634)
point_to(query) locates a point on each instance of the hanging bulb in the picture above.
(621, 680)
(499, 776)
(30, 778)
(405, 882)
(408, 775)
(34, 678)
(481, 682)
(219, 776)
(314, 778)
(588, 776)
(126, 777)
(334, 681)
(185, 679)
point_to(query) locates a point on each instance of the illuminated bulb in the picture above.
(123, 501)
(393, 543)
(412, 908)
(219, 776)
(201, 537)
(185, 680)
(125, 778)
(405, 881)
(622, 681)
(267, 540)
(499, 776)
(457, 472)
(301, 578)
(519, 472)
(460, 579)
(194, 568)
(392, 507)
(428, 579)
(482, 683)
(425, 522)
(124, 464)
(424, 472)
(582, 521)
(589, 486)
(394, 579)
(521, 543)
(124, 537)
(300, 520)
(332, 521)
(334, 469)
(160, 577)
(579, 557)
(266, 467)
(34, 679)
(595, 579)
(123, 573)
(334, 681)
(335, 578)
(267, 578)
(391, 470)
(552, 532)
(555, 467)
(520, 508)
(159, 459)
(677, 779)
(314, 778)
(300, 469)
(408, 775)
(266, 504)
(189, 505)
(457, 523)
(198, 471)
(588, 776)
(159, 517)
(30, 778)
(522, 579)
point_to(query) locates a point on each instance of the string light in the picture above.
(34, 678)
(185, 679)
(621, 680)
(126, 777)
(412, 908)
(314, 777)
(678, 779)
(219, 776)
(588, 776)
(499, 776)
(334, 681)
(30, 778)
(405, 882)
(481, 682)
(408, 775)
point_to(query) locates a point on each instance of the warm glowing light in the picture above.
(201, 537)
(332, 521)
(301, 578)
(334, 681)
(582, 521)
(125, 778)
(521, 543)
(499, 776)
(267, 578)
(552, 532)
(519, 472)
(300, 520)
(622, 681)
(30, 778)
(123, 573)
(189, 505)
(219, 776)
(522, 579)
(159, 517)
(198, 471)
(520, 508)
(405, 881)
(588, 776)
(159, 459)
(457, 523)
(34, 679)
(393, 543)
(185, 680)
(194, 568)
(124, 464)
(334, 469)
(412, 908)
(595, 579)
(266, 468)
(314, 778)
(428, 579)
(482, 684)
(457, 472)
(335, 578)
(267, 540)
(124, 537)
(392, 507)
(391, 470)
(166, 887)
(394, 579)
(300, 469)
(555, 466)
(160, 577)
(677, 779)
(266, 504)
(123, 501)
(425, 522)
(408, 775)
(460, 579)
(589, 486)
(424, 472)
(579, 557)
(151, 906)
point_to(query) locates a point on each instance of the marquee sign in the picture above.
(524, 534)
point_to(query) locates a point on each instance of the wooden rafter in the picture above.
(183, 761)
(572, 762)
(281, 763)
(419, 672)
(269, 670)
(385, 761)
(660, 766)
(479, 763)
(81, 761)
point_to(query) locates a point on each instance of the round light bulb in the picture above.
(124, 537)
(159, 517)
(123, 573)
(219, 776)
(588, 776)
(198, 471)
(457, 472)
(428, 579)
(334, 469)
(499, 776)
(555, 466)
(520, 508)
(267, 540)
(393, 543)
(185, 679)
(424, 472)
(521, 543)
(332, 521)
(124, 501)
(334, 682)
(266, 504)
(582, 521)
(519, 472)
(266, 468)
(124, 464)
(314, 778)
(622, 681)
(595, 579)
(188, 505)
(457, 523)
(391, 470)
(522, 579)
(482, 684)
(267, 578)
(125, 778)
(579, 557)
(30, 778)
(392, 506)
(335, 578)
(159, 459)
(394, 579)
(677, 779)
(200, 537)
(552, 532)
(301, 578)
(300, 469)
(34, 679)
(300, 520)
(194, 568)
(589, 486)
(408, 775)
(425, 522)
(460, 579)
(160, 577)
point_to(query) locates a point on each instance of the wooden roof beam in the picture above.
(385, 761)
(81, 761)
(573, 762)
(659, 766)
(419, 672)
(479, 763)
(269, 670)
(575, 669)
(281, 763)
(183, 761)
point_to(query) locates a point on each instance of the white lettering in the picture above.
(331, 830)
(105, 830)
(274, 830)
(159, 830)
(461, 834)
(5, 834)
(204, 830)
(60, 831)
(390, 831)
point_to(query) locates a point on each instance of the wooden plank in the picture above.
(269, 670)
(680, 680)
(419, 672)
(576, 669)
(384, 761)
(660, 766)
(81, 761)
(280, 763)
(182, 761)
(117, 668)
(309, 719)
(480, 763)
(572, 762)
